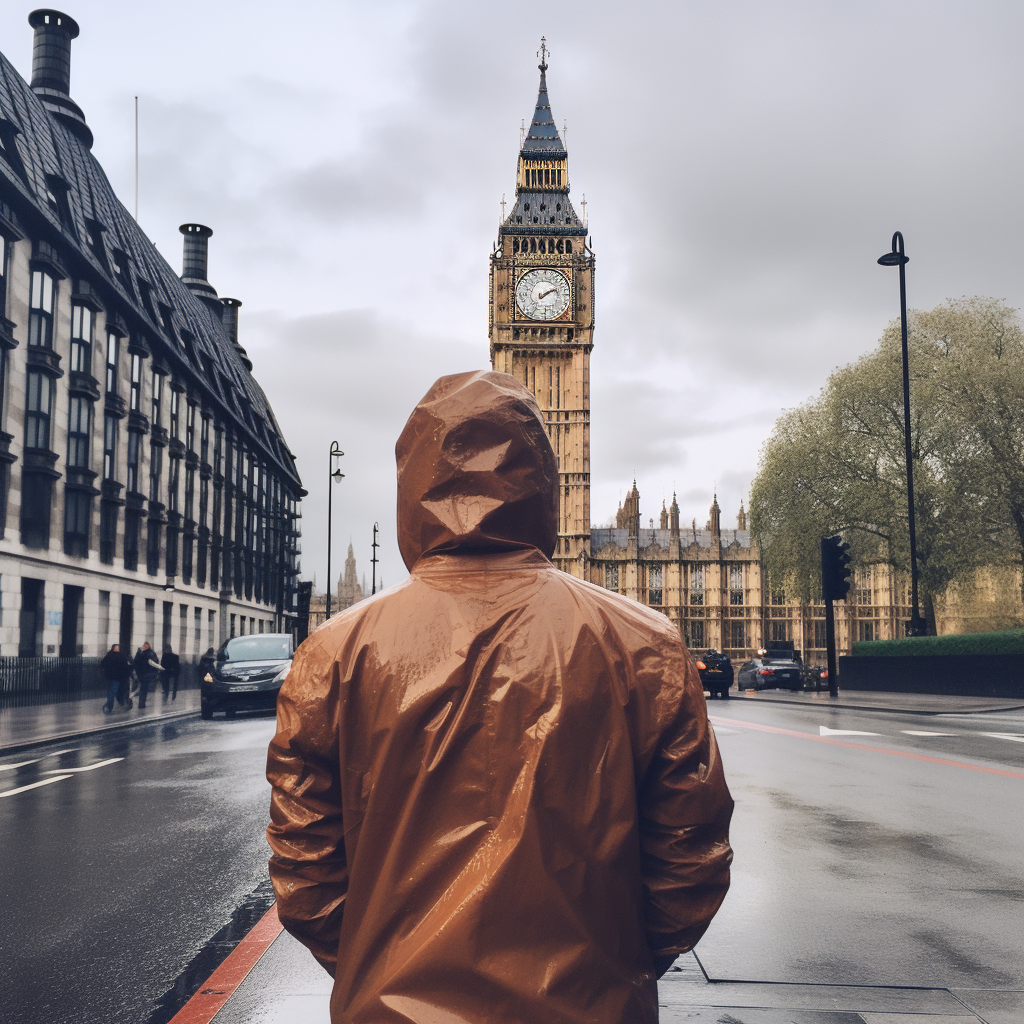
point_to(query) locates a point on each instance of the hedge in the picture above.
(1007, 642)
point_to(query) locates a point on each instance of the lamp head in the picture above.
(337, 475)
(893, 259)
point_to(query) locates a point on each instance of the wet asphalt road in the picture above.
(114, 878)
(867, 866)
(855, 864)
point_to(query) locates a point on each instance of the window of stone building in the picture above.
(154, 539)
(865, 631)
(41, 302)
(778, 597)
(190, 492)
(697, 585)
(30, 619)
(863, 592)
(190, 427)
(37, 410)
(611, 577)
(158, 394)
(108, 531)
(171, 553)
(695, 634)
(197, 631)
(132, 528)
(737, 635)
(204, 440)
(134, 446)
(820, 639)
(172, 484)
(156, 467)
(654, 585)
(113, 346)
(5, 248)
(779, 631)
(211, 629)
(135, 399)
(174, 415)
(79, 431)
(77, 516)
(109, 447)
(82, 320)
(736, 586)
(182, 630)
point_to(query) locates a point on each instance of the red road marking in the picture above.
(221, 985)
(864, 746)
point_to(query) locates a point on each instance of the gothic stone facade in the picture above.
(146, 491)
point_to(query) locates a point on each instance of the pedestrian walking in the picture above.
(147, 668)
(496, 795)
(171, 664)
(117, 671)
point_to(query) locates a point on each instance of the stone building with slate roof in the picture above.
(146, 490)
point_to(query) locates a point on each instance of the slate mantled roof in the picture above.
(543, 211)
(60, 193)
(543, 139)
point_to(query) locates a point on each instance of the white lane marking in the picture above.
(87, 768)
(824, 730)
(33, 785)
(17, 764)
(57, 753)
(1005, 736)
(918, 732)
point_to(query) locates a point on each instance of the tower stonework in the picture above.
(541, 316)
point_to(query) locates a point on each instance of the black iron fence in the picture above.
(29, 682)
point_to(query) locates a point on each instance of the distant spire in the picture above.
(543, 137)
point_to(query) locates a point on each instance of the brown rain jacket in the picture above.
(496, 794)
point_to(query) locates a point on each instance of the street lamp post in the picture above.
(334, 476)
(374, 559)
(898, 258)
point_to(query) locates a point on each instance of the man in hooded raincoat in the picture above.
(496, 794)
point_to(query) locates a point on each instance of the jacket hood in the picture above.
(476, 471)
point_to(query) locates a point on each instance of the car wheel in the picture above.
(230, 713)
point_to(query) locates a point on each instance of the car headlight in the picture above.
(282, 675)
(207, 678)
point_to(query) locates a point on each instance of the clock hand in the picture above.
(544, 295)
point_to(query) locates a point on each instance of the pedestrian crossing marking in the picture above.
(824, 730)
(87, 768)
(33, 785)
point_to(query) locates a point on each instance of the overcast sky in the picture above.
(744, 166)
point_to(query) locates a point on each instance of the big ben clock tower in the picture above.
(541, 321)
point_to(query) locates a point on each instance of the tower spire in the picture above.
(543, 138)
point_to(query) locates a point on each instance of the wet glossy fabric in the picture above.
(496, 793)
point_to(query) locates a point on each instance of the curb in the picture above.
(13, 748)
(867, 707)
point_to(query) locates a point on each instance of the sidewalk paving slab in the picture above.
(22, 728)
(872, 700)
(287, 986)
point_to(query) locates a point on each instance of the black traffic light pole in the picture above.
(835, 585)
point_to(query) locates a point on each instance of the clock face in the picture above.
(542, 294)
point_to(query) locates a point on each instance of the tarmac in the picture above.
(268, 978)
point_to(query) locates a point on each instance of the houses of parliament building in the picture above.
(707, 580)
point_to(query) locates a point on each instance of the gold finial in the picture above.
(543, 53)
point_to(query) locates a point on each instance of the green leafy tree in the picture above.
(837, 463)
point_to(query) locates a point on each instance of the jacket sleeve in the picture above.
(685, 809)
(306, 834)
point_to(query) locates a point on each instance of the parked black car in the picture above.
(248, 674)
(771, 672)
(715, 673)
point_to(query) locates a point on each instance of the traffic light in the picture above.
(835, 568)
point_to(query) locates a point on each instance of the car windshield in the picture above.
(257, 648)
